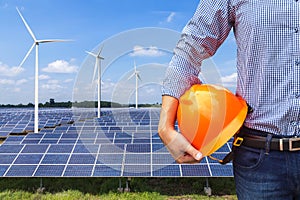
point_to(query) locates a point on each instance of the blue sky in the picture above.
(95, 24)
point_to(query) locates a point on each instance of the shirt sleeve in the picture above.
(200, 39)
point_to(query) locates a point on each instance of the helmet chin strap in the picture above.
(225, 160)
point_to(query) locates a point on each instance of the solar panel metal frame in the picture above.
(91, 147)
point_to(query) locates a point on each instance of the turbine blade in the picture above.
(92, 54)
(53, 40)
(19, 69)
(100, 53)
(95, 70)
(138, 76)
(27, 55)
(132, 75)
(27, 27)
(134, 66)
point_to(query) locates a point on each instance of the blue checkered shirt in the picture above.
(268, 57)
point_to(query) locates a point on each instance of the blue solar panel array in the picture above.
(122, 143)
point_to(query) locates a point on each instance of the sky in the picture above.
(129, 33)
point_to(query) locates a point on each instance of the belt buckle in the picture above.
(291, 141)
(238, 141)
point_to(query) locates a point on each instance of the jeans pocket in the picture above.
(247, 158)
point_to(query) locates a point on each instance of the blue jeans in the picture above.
(261, 174)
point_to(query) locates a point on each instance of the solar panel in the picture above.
(124, 142)
(49, 170)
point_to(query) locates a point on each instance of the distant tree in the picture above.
(30, 105)
(52, 102)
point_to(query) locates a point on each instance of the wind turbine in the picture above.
(97, 68)
(36, 82)
(137, 77)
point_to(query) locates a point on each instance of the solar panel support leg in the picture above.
(127, 189)
(41, 189)
(120, 188)
(207, 188)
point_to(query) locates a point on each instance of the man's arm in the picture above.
(181, 150)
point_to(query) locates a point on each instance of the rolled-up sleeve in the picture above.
(200, 39)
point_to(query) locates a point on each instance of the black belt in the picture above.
(258, 139)
(278, 144)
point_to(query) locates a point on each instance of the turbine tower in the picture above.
(36, 81)
(137, 77)
(98, 68)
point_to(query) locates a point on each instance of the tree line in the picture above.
(83, 104)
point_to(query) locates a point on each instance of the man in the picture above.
(266, 152)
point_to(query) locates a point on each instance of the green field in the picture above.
(107, 188)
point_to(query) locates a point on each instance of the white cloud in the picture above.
(68, 80)
(60, 66)
(17, 89)
(72, 60)
(44, 77)
(53, 81)
(230, 80)
(146, 51)
(7, 82)
(167, 16)
(51, 86)
(5, 70)
(107, 85)
(171, 17)
(151, 91)
(12, 82)
(22, 81)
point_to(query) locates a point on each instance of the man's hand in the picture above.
(181, 150)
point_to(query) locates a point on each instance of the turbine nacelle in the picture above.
(97, 66)
(94, 55)
(135, 73)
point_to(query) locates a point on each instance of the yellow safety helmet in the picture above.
(209, 115)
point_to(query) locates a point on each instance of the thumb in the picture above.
(197, 155)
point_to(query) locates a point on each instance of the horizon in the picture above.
(69, 101)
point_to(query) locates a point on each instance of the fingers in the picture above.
(181, 150)
(191, 156)
(186, 159)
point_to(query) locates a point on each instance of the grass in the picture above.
(77, 195)
(106, 188)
